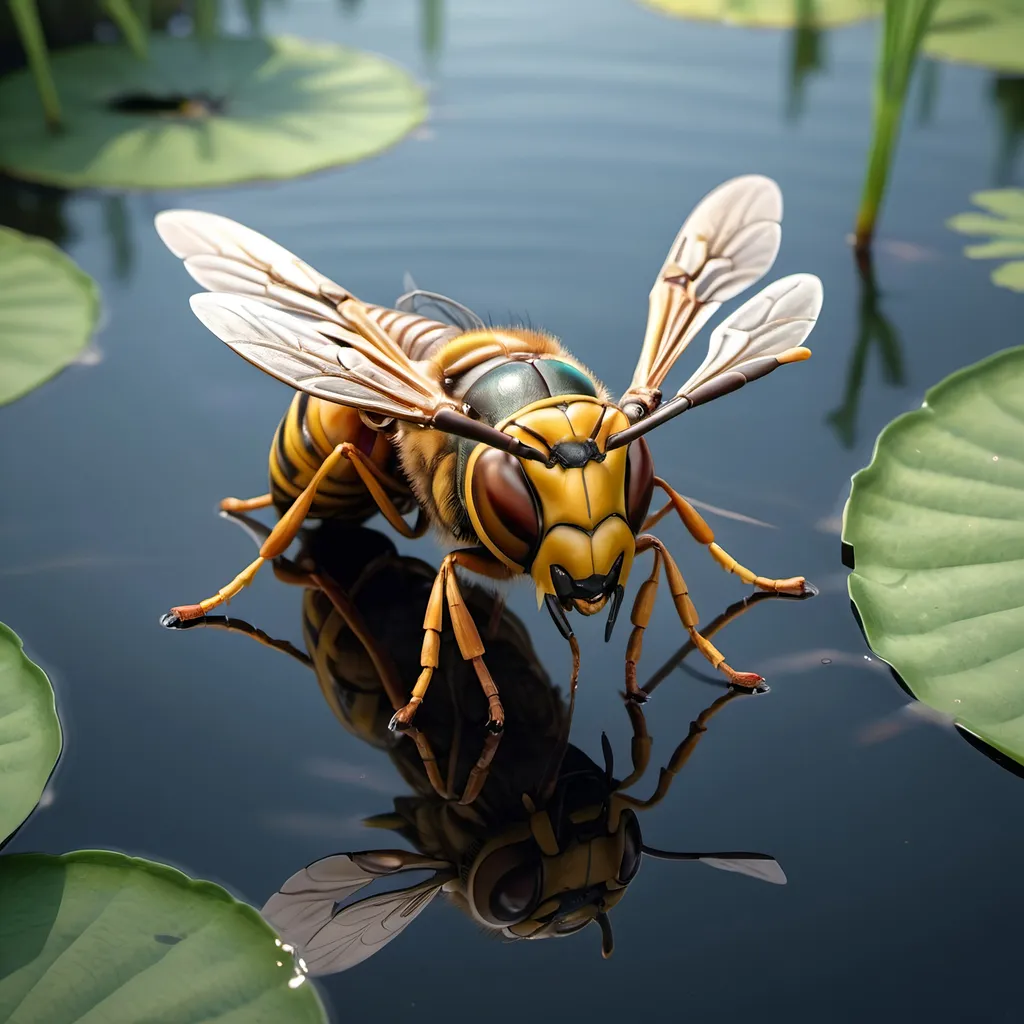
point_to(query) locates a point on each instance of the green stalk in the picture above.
(30, 32)
(144, 12)
(131, 27)
(207, 15)
(904, 25)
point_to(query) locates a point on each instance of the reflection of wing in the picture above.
(765, 333)
(754, 865)
(727, 243)
(437, 307)
(360, 930)
(304, 911)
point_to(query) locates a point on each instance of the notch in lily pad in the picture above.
(936, 525)
(201, 113)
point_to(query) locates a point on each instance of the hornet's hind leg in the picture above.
(703, 534)
(291, 522)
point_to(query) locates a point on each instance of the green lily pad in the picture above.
(936, 523)
(989, 33)
(202, 113)
(1005, 228)
(48, 311)
(771, 13)
(30, 738)
(95, 937)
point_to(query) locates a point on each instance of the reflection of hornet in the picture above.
(501, 439)
(551, 840)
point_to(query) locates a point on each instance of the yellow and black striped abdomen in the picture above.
(307, 434)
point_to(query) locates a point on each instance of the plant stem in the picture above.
(904, 25)
(131, 27)
(144, 12)
(207, 15)
(30, 31)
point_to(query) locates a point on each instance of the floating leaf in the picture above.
(771, 13)
(201, 113)
(1005, 228)
(29, 733)
(48, 310)
(97, 936)
(936, 523)
(985, 32)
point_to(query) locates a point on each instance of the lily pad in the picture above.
(936, 523)
(1005, 228)
(771, 13)
(989, 33)
(30, 737)
(205, 112)
(95, 936)
(48, 310)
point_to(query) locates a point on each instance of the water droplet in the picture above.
(867, 657)
(995, 458)
(956, 700)
(826, 661)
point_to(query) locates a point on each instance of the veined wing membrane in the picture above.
(318, 357)
(728, 242)
(766, 332)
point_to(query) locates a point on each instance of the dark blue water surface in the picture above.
(565, 144)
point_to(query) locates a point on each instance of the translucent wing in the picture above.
(437, 307)
(232, 260)
(753, 865)
(774, 323)
(320, 357)
(727, 243)
(304, 911)
(765, 333)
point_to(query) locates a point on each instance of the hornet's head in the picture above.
(556, 873)
(571, 520)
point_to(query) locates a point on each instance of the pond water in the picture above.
(566, 143)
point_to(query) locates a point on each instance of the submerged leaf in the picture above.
(1006, 229)
(936, 523)
(985, 32)
(99, 936)
(771, 13)
(30, 737)
(48, 310)
(201, 113)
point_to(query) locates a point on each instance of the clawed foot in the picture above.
(402, 719)
(636, 696)
(795, 586)
(496, 723)
(750, 682)
(182, 614)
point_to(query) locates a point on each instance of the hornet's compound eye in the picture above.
(639, 483)
(505, 505)
(505, 887)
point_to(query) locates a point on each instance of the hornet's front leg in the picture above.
(703, 534)
(641, 617)
(446, 591)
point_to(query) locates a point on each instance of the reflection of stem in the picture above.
(873, 327)
(805, 56)
(903, 29)
(115, 218)
(144, 12)
(30, 32)
(1008, 96)
(431, 27)
(254, 12)
(929, 92)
